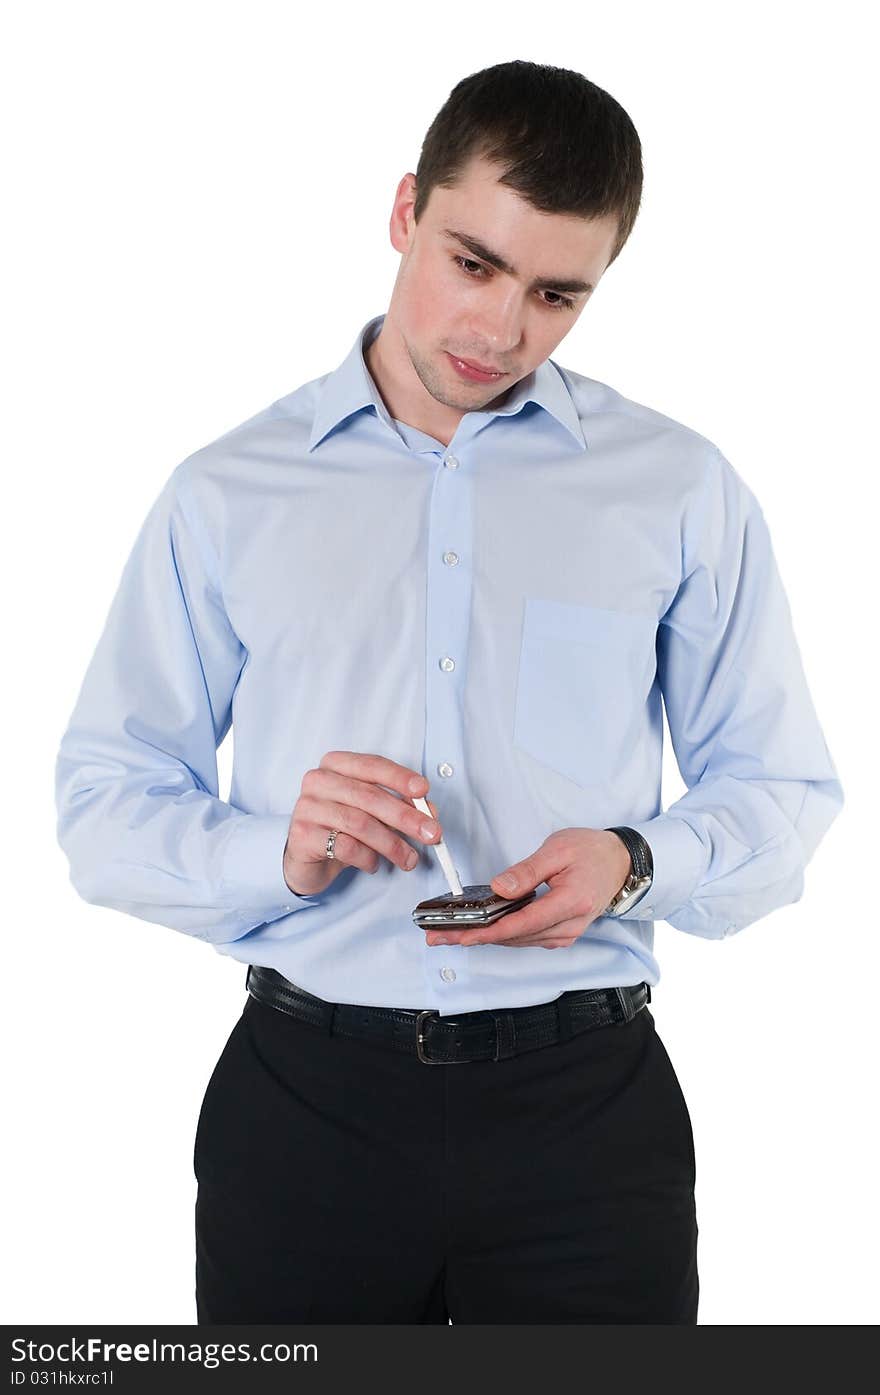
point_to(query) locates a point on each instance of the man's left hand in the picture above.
(584, 868)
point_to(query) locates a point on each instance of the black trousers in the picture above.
(342, 1182)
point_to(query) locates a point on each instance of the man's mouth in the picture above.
(475, 372)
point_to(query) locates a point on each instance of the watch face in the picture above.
(632, 891)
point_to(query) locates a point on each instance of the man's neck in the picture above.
(402, 390)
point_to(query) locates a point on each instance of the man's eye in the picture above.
(560, 303)
(465, 262)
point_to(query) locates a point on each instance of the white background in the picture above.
(197, 223)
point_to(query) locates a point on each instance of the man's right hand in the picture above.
(346, 792)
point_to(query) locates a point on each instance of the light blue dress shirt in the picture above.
(504, 615)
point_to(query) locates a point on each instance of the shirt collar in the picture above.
(350, 388)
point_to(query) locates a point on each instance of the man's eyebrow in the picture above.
(545, 283)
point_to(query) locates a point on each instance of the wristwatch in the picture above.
(639, 879)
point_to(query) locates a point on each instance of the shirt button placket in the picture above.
(447, 618)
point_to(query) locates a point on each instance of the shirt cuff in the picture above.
(253, 872)
(679, 865)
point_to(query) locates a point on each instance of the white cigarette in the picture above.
(442, 852)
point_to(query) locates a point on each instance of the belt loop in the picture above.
(626, 1004)
(505, 1035)
(563, 1009)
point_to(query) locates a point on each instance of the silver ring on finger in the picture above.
(331, 843)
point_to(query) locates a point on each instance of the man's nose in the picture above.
(499, 327)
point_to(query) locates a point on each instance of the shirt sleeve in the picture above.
(136, 781)
(762, 787)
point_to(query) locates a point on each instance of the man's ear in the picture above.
(401, 224)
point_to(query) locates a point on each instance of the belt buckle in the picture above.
(432, 1012)
(427, 1012)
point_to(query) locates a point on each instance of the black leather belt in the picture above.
(491, 1035)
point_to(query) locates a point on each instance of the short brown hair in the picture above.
(564, 144)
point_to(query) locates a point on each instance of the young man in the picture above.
(453, 566)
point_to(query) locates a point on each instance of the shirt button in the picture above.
(447, 975)
(450, 462)
(447, 664)
(444, 769)
(450, 558)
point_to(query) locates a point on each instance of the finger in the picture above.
(307, 842)
(357, 825)
(562, 934)
(545, 913)
(528, 874)
(397, 813)
(539, 944)
(386, 808)
(376, 770)
(530, 942)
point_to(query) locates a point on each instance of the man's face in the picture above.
(451, 302)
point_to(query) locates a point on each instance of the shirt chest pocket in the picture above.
(582, 686)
